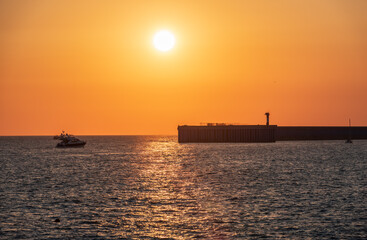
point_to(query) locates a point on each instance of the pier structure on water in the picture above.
(219, 132)
(226, 133)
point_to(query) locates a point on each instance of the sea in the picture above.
(152, 187)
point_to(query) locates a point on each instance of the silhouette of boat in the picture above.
(68, 140)
(349, 139)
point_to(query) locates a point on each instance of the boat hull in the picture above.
(70, 145)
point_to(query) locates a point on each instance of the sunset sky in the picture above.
(90, 67)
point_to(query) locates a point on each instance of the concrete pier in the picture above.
(226, 133)
(286, 133)
(265, 133)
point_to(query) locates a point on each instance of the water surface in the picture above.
(151, 187)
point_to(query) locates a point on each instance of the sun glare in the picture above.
(164, 40)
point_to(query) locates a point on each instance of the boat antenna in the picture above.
(349, 140)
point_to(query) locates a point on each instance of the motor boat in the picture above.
(68, 140)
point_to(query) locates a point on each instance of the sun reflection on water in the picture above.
(167, 201)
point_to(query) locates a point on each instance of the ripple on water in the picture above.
(152, 187)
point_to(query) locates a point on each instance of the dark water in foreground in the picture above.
(139, 187)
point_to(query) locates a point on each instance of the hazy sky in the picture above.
(90, 67)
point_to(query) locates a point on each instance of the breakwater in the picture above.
(227, 133)
(287, 133)
(266, 133)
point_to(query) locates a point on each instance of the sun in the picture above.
(164, 40)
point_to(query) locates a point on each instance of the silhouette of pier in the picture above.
(227, 133)
(265, 133)
(219, 132)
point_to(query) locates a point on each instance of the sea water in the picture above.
(152, 187)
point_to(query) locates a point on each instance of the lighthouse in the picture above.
(267, 118)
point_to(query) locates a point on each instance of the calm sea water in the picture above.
(151, 187)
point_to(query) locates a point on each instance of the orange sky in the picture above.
(89, 67)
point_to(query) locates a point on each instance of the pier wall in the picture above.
(229, 133)
(264, 133)
(320, 133)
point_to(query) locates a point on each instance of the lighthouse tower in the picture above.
(267, 118)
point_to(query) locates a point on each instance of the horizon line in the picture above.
(47, 135)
